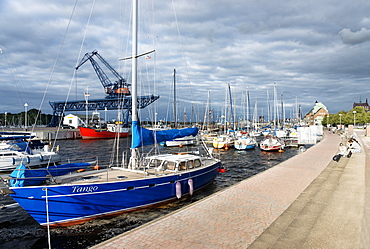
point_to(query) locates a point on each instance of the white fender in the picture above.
(191, 188)
(178, 190)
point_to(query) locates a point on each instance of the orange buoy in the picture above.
(180, 145)
(222, 170)
(96, 167)
(226, 148)
(80, 170)
(280, 151)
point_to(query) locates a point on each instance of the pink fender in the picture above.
(178, 190)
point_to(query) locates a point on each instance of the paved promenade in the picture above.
(308, 201)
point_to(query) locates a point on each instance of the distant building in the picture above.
(364, 105)
(72, 120)
(316, 114)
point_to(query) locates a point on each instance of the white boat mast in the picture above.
(174, 99)
(206, 118)
(276, 116)
(134, 152)
(268, 107)
(248, 109)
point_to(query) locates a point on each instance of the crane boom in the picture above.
(113, 90)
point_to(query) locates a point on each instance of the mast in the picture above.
(134, 152)
(255, 115)
(248, 109)
(174, 98)
(206, 115)
(231, 106)
(282, 110)
(275, 108)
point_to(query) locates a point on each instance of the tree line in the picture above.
(19, 119)
(355, 116)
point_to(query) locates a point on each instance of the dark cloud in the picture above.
(356, 37)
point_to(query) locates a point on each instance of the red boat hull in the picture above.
(90, 133)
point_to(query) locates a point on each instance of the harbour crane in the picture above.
(112, 89)
(118, 94)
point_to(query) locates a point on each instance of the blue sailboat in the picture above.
(75, 198)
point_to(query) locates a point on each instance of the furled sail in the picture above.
(142, 136)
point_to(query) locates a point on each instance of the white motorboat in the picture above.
(32, 153)
(245, 143)
(10, 159)
(271, 143)
(179, 142)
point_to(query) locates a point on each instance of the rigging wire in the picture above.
(14, 73)
(50, 77)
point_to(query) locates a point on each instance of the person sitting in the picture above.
(342, 150)
(355, 147)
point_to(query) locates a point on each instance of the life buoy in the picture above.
(191, 187)
(41, 158)
(178, 190)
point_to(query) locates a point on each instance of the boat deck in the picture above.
(98, 176)
(118, 174)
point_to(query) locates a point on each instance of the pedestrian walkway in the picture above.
(271, 209)
(328, 214)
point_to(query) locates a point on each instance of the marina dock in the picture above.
(308, 201)
(49, 133)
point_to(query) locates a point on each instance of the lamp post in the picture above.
(5, 118)
(25, 115)
(105, 114)
(340, 120)
(327, 120)
(354, 119)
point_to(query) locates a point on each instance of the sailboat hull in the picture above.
(244, 146)
(90, 133)
(65, 205)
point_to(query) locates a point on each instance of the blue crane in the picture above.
(118, 94)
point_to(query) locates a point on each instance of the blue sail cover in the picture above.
(142, 136)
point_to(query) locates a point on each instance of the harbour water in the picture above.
(19, 230)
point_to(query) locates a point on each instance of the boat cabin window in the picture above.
(197, 163)
(190, 164)
(154, 163)
(182, 165)
(169, 165)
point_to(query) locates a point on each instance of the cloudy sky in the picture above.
(312, 51)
